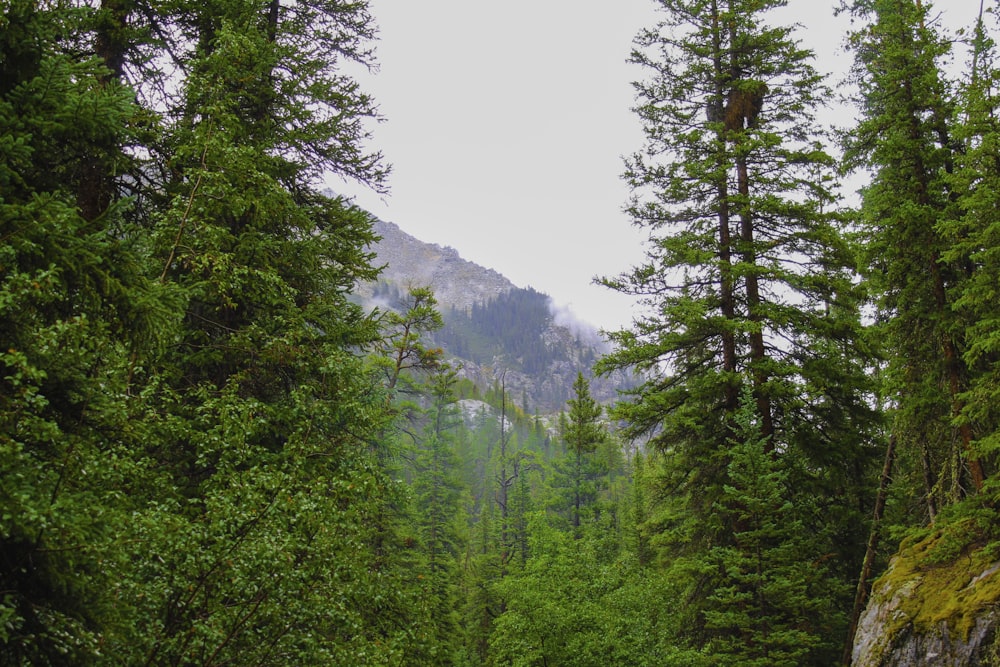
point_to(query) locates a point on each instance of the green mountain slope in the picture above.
(492, 327)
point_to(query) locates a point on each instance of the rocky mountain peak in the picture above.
(493, 328)
(457, 282)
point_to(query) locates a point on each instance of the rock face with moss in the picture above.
(938, 604)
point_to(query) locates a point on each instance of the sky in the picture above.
(506, 125)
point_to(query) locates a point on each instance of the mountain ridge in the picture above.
(411, 262)
(493, 328)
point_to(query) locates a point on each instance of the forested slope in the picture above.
(211, 453)
(491, 326)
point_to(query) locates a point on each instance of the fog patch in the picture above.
(586, 332)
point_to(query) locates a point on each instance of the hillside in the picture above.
(492, 326)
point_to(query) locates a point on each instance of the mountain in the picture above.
(493, 328)
(456, 282)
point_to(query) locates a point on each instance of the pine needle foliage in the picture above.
(748, 286)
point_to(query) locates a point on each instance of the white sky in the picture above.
(505, 127)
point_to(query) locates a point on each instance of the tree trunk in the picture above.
(96, 186)
(864, 587)
(727, 299)
(748, 253)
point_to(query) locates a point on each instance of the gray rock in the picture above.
(924, 613)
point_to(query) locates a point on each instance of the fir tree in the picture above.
(768, 600)
(438, 491)
(749, 281)
(579, 470)
(974, 242)
(261, 418)
(74, 307)
(906, 138)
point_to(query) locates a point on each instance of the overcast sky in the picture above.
(506, 124)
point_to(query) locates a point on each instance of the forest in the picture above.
(510, 325)
(210, 454)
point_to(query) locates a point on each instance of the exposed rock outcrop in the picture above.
(459, 283)
(412, 262)
(937, 605)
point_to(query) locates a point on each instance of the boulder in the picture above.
(937, 605)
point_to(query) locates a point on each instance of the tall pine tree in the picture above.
(579, 471)
(73, 308)
(906, 139)
(254, 540)
(440, 519)
(748, 280)
(974, 240)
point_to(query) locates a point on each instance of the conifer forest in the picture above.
(212, 454)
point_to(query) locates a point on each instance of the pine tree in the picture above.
(749, 280)
(438, 491)
(261, 419)
(768, 600)
(402, 342)
(973, 241)
(906, 138)
(73, 307)
(582, 433)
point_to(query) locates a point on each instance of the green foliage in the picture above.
(579, 475)
(974, 240)
(72, 305)
(509, 326)
(190, 449)
(750, 288)
(262, 420)
(906, 138)
(402, 341)
(438, 492)
(768, 588)
(577, 602)
(749, 273)
(211, 454)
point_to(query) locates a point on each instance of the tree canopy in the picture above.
(211, 454)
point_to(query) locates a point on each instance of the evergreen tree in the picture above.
(905, 138)
(927, 217)
(481, 561)
(638, 540)
(438, 491)
(582, 433)
(506, 471)
(749, 280)
(481, 568)
(253, 543)
(402, 341)
(974, 241)
(768, 600)
(73, 307)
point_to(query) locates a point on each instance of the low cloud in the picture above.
(565, 317)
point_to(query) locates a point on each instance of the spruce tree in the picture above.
(906, 138)
(748, 281)
(973, 242)
(253, 542)
(440, 521)
(768, 599)
(578, 472)
(73, 308)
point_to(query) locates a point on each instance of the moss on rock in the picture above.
(936, 604)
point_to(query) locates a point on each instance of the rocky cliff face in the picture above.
(934, 607)
(456, 281)
(459, 284)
